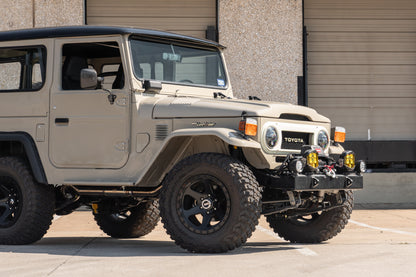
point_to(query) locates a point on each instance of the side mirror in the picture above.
(89, 78)
(152, 86)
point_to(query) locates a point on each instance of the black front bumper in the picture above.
(314, 182)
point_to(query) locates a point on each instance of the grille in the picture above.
(161, 132)
(294, 117)
(295, 140)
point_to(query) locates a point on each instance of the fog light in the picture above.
(348, 159)
(312, 158)
(361, 167)
(296, 166)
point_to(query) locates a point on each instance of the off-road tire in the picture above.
(194, 183)
(321, 228)
(139, 221)
(26, 208)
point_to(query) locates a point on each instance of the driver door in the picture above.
(86, 130)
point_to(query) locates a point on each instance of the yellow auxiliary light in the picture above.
(349, 159)
(312, 159)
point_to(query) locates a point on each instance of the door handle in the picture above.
(62, 121)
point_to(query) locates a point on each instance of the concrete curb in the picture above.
(388, 189)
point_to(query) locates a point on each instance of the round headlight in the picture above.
(323, 139)
(271, 137)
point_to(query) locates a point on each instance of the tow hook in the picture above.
(330, 171)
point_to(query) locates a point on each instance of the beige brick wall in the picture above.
(264, 47)
(16, 14)
(59, 12)
(22, 14)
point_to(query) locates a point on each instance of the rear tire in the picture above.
(210, 203)
(132, 223)
(315, 228)
(26, 208)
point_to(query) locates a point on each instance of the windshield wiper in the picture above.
(220, 94)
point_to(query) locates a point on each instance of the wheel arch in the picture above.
(22, 144)
(186, 142)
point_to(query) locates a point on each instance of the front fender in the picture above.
(230, 136)
(185, 142)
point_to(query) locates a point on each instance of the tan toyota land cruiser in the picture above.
(131, 121)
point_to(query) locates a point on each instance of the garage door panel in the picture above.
(364, 46)
(168, 24)
(149, 13)
(389, 125)
(147, 4)
(351, 13)
(316, 79)
(358, 91)
(386, 118)
(360, 4)
(151, 9)
(361, 25)
(362, 65)
(361, 37)
(188, 17)
(316, 58)
(366, 102)
(364, 69)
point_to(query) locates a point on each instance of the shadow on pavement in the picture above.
(108, 247)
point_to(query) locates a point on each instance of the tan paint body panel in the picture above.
(362, 66)
(177, 107)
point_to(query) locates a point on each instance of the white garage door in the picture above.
(188, 17)
(362, 65)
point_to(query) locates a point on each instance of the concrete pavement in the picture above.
(374, 243)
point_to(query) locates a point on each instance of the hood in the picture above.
(186, 107)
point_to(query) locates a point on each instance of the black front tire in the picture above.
(210, 203)
(26, 208)
(315, 228)
(132, 223)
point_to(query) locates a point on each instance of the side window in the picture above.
(22, 69)
(104, 57)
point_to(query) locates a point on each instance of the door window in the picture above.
(104, 57)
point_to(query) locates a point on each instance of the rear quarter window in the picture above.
(22, 68)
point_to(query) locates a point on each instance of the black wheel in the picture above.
(26, 208)
(210, 203)
(313, 228)
(131, 223)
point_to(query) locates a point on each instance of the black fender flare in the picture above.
(31, 152)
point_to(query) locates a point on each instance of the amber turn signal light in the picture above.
(338, 134)
(248, 126)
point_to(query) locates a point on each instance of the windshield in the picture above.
(177, 64)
